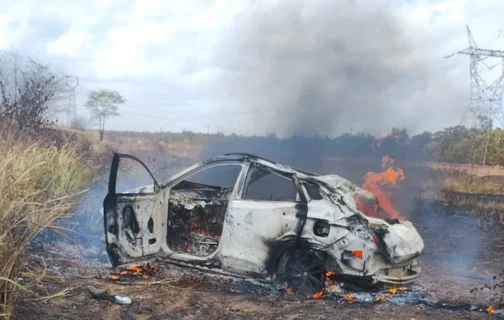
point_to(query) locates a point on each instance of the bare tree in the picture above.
(102, 104)
(28, 91)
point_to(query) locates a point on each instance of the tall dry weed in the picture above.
(38, 186)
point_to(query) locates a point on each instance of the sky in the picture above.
(253, 67)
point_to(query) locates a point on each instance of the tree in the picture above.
(28, 92)
(102, 104)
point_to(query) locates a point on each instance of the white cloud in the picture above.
(161, 51)
(69, 44)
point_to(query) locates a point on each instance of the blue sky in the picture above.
(177, 62)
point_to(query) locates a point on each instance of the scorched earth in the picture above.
(458, 279)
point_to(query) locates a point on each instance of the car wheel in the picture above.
(305, 271)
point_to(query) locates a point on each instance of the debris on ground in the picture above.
(105, 295)
(141, 272)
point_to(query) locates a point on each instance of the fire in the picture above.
(143, 272)
(395, 290)
(289, 290)
(329, 274)
(350, 298)
(380, 185)
(381, 298)
(317, 295)
(490, 309)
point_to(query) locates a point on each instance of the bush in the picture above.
(38, 185)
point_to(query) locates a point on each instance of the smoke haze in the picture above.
(323, 67)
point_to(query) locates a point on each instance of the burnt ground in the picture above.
(463, 266)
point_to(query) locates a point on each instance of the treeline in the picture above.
(457, 144)
(454, 144)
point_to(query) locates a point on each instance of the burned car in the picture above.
(261, 219)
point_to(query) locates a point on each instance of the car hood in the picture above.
(401, 239)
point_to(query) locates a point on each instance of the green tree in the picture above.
(103, 104)
(446, 144)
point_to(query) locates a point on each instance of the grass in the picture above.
(474, 170)
(468, 185)
(37, 185)
(477, 194)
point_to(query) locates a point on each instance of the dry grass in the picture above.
(472, 186)
(177, 144)
(481, 196)
(37, 186)
(469, 169)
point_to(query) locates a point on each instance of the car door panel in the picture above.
(251, 229)
(132, 221)
(254, 227)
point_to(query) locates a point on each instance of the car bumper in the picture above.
(399, 274)
(402, 243)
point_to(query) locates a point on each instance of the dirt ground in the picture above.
(462, 273)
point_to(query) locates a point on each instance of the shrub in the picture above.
(38, 186)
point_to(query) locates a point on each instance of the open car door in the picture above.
(132, 219)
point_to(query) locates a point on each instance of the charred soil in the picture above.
(462, 274)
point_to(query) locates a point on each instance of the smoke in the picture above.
(328, 67)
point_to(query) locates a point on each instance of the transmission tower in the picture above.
(71, 83)
(485, 99)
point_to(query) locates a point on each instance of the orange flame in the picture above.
(317, 295)
(381, 298)
(490, 309)
(329, 274)
(350, 298)
(289, 290)
(395, 290)
(144, 272)
(379, 184)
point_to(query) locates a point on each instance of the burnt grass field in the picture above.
(462, 267)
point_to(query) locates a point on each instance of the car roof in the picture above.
(257, 159)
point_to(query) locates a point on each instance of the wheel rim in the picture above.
(305, 272)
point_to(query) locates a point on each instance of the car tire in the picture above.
(305, 271)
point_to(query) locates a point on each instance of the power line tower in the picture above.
(485, 100)
(71, 83)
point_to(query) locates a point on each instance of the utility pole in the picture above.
(485, 99)
(71, 83)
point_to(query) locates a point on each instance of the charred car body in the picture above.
(259, 219)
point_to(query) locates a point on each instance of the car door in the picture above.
(132, 218)
(269, 208)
